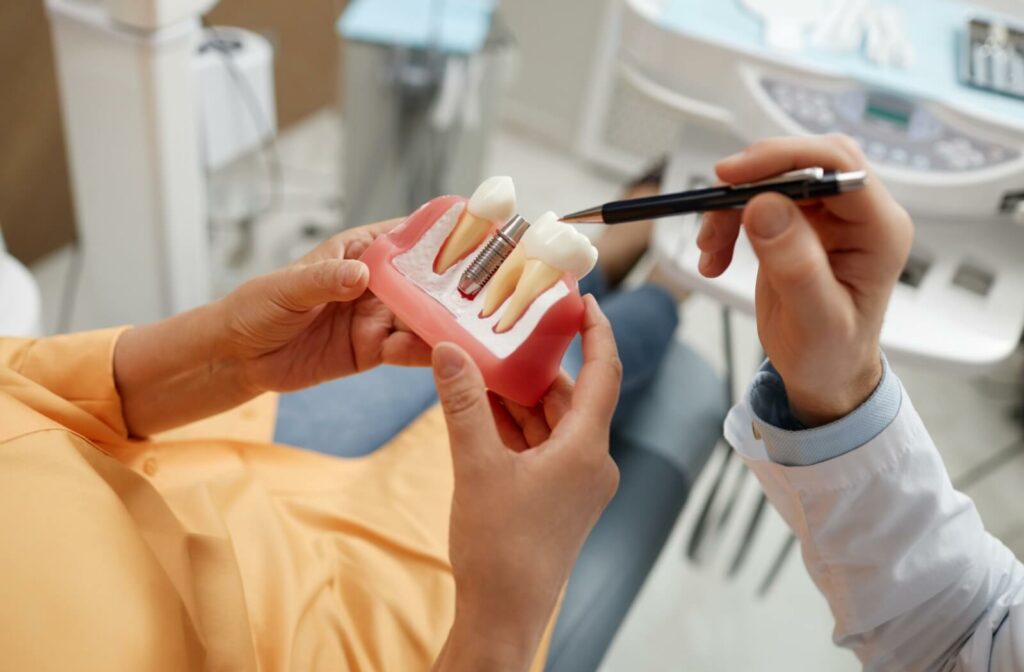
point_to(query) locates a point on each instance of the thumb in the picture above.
(306, 287)
(467, 412)
(792, 257)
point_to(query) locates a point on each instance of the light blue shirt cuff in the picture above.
(789, 443)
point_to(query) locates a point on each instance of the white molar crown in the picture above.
(494, 199)
(559, 245)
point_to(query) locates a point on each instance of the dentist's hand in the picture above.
(529, 486)
(314, 321)
(827, 270)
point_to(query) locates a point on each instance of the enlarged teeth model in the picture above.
(549, 250)
(493, 202)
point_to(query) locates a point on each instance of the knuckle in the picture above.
(614, 366)
(323, 275)
(460, 400)
(797, 272)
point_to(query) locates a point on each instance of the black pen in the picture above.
(800, 185)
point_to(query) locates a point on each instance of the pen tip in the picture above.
(590, 215)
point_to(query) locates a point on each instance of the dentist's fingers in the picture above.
(467, 410)
(770, 157)
(510, 432)
(532, 421)
(792, 259)
(558, 400)
(717, 241)
(302, 288)
(597, 386)
(872, 206)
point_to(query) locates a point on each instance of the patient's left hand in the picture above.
(314, 321)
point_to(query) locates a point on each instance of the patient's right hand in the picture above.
(827, 270)
(529, 486)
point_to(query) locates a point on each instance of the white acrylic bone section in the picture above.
(415, 265)
(492, 204)
(559, 245)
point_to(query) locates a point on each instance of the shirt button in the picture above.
(150, 466)
(757, 434)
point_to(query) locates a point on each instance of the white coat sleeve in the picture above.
(913, 580)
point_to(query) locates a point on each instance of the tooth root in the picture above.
(469, 233)
(537, 278)
(504, 282)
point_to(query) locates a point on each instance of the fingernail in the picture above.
(704, 262)
(353, 274)
(772, 219)
(448, 361)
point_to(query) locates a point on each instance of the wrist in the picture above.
(225, 354)
(488, 635)
(177, 370)
(836, 399)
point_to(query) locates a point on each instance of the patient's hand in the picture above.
(302, 325)
(530, 484)
(314, 321)
(827, 270)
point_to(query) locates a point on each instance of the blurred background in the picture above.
(156, 153)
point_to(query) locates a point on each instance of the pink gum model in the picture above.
(528, 371)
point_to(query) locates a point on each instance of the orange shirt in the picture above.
(208, 547)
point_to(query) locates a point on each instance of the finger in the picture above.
(532, 422)
(302, 288)
(768, 158)
(467, 412)
(717, 241)
(558, 399)
(363, 236)
(597, 386)
(405, 349)
(348, 244)
(792, 258)
(509, 431)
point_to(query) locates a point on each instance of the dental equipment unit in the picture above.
(800, 185)
(952, 155)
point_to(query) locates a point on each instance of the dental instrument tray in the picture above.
(992, 58)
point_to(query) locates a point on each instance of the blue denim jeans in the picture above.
(354, 416)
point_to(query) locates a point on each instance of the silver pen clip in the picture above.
(802, 175)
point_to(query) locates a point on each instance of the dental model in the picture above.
(550, 249)
(493, 202)
(518, 327)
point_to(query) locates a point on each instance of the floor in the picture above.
(689, 615)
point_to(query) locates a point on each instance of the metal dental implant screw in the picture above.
(494, 254)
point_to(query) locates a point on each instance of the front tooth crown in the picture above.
(494, 199)
(559, 245)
